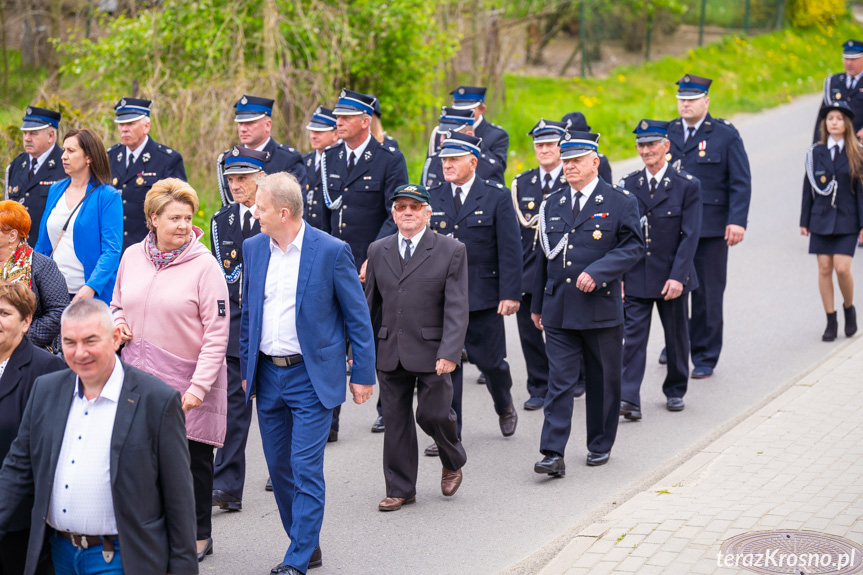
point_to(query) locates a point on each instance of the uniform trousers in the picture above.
(230, 470)
(636, 329)
(486, 346)
(705, 327)
(600, 350)
(435, 416)
(533, 347)
(294, 428)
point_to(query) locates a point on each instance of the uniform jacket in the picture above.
(820, 213)
(487, 168)
(315, 212)
(835, 84)
(722, 167)
(390, 141)
(527, 196)
(151, 483)
(33, 194)
(487, 226)
(424, 303)
(226, 243)
(366, 194)
(155, 162)
(179, 323)
(673, 223)
(605, 168)
(495, 140)
(26, 363)
(604, 247)
(98, 235)
(280, 158)
(331, 310)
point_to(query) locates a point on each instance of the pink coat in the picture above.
(179, 321)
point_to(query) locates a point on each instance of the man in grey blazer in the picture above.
(418, 280)
(102, 448)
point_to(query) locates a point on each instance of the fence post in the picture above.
(701, 23)
(780, 19)
(746, 18)
(649, 31)
(581, 37)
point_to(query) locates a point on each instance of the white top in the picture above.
(40, 161)
(832, 142)
(465, 188)
(279, 324)
(555, 173)
(318, 156)
(852, 80)
(133, 154)
(243, 210)
(3, 366)
(586, 191)
(476, 122)
(358, 151)
(64, 252)
(415, 241)
(659, 175)
(81, 501)
(262, 146)
(686, 127)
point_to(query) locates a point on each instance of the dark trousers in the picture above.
(230, 470)
(13, 554)
(705, 326)
(636, 329)
(533, 347)
(600, 350)
(486, 346)
(294, 428)
(201, 455)
(337, 410)
(435, 416)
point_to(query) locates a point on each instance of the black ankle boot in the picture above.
(832, 328)
(850, 320)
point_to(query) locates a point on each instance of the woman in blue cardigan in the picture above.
(82, 228)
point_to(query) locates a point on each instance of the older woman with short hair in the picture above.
(170, 302)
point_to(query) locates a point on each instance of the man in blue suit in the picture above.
(302, 304)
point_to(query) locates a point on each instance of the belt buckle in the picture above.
(281, 361)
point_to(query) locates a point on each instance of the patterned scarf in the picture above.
(160, 258)
(19, 266)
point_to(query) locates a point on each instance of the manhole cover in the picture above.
(791, 552)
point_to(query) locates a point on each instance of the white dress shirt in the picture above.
(40, 161)
(3, 366)
(262, 146)
(81, 501)
(136, 152)
(64, 251)
(279, 324)
(658, 177)
(244, 209)
(358, 152)
(465, 188)
(831, 143)
(415, 241)
(318, 157)
(555, 174)
(686, 127)
(586, 191)
(852, 80)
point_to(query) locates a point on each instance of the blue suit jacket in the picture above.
(98, 233)
(331, 310)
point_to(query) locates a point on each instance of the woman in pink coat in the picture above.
(170, 302)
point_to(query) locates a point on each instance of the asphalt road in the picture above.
(504, 514)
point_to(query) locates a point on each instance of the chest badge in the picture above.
(146, 157)
(227, 263)
(15, 190)
(838, 95)
(668, 157)
(530, 205)
(443, 225)
(114, 182)
(597, 235)
(702, 146)
(139, 180)
(823, 179)
(234, 254)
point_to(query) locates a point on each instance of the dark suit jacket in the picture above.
(151, 483)
(834, 85)
(820, 213)
(487, 168)
(495, 140)
(424, 303)
(26, 363)
(32, 194)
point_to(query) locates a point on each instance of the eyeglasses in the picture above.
(414, 207)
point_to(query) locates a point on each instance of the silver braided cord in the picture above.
(810, 174)
(327, 201)
(550, 254)
(220, 176)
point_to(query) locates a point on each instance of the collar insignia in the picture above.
(599, 199)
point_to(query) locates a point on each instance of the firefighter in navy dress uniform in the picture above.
(529, 189)
(228, 228)
(322, 134)
(30, 174)
(137, 162)
(578, 123)
(495, 140)
(590, 236)
(453, 120)
(845, 87)
(711, 150)
(670, 202)
(832, 210)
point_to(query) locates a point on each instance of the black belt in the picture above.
(284, 361)
(87, 541)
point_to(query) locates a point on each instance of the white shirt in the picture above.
(415, 241)
(243, 210)
(658, 175)
(358, 151)
(81, 500)
(318, 156)
(585, 193)
(831, 142)
(64, 252)
(555, 173)
(262, 146)
(465, 188)
(851, 80)
(40, 161)
(686, 127)
(279, 325)
(134, 153)
(476, 122)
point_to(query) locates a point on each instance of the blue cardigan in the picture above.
(98, 234)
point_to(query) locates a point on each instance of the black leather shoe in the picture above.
(832, 328)
(551, 465)
(850, 320)
(226, 501)
(378, 425)
(432, 450)
(269, 485)
(663, 357)
(482, 380)
(675, 404)
(579, 390)
(534, 403)
(508, 421)
(333, 436)
(282, 569)
(594, 459)
(208, 550)
(317, 558)
(630, 411)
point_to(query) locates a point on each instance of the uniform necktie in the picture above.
(833, 153)
(247, 224)
(652, 187)
(852, 82)
(130, 160)
(546, 187)
(576, 206)
(407, 256)
(456, 199)
(32, 172)
(691, 131)
(352, 161)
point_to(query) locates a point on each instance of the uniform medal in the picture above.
(597, 235)
(702, 145)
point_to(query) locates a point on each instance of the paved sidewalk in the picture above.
(797, 463)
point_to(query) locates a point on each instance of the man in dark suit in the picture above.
(495, 140)
(302, 304)
(229, 227)
(31, 173)
(711, 150)
(453, 120)
(137, 162)
(480, 215)
(80, 448)
(845, 87)
(322, 134)
(418, 280)
(671, 203)
(590, 236)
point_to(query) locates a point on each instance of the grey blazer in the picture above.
(151, 482)
(424, 306)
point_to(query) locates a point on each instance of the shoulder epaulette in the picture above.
(630, 174)
(164, 149)
(623, 191)
(115, 146)
(286, 147)
(496, 184)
